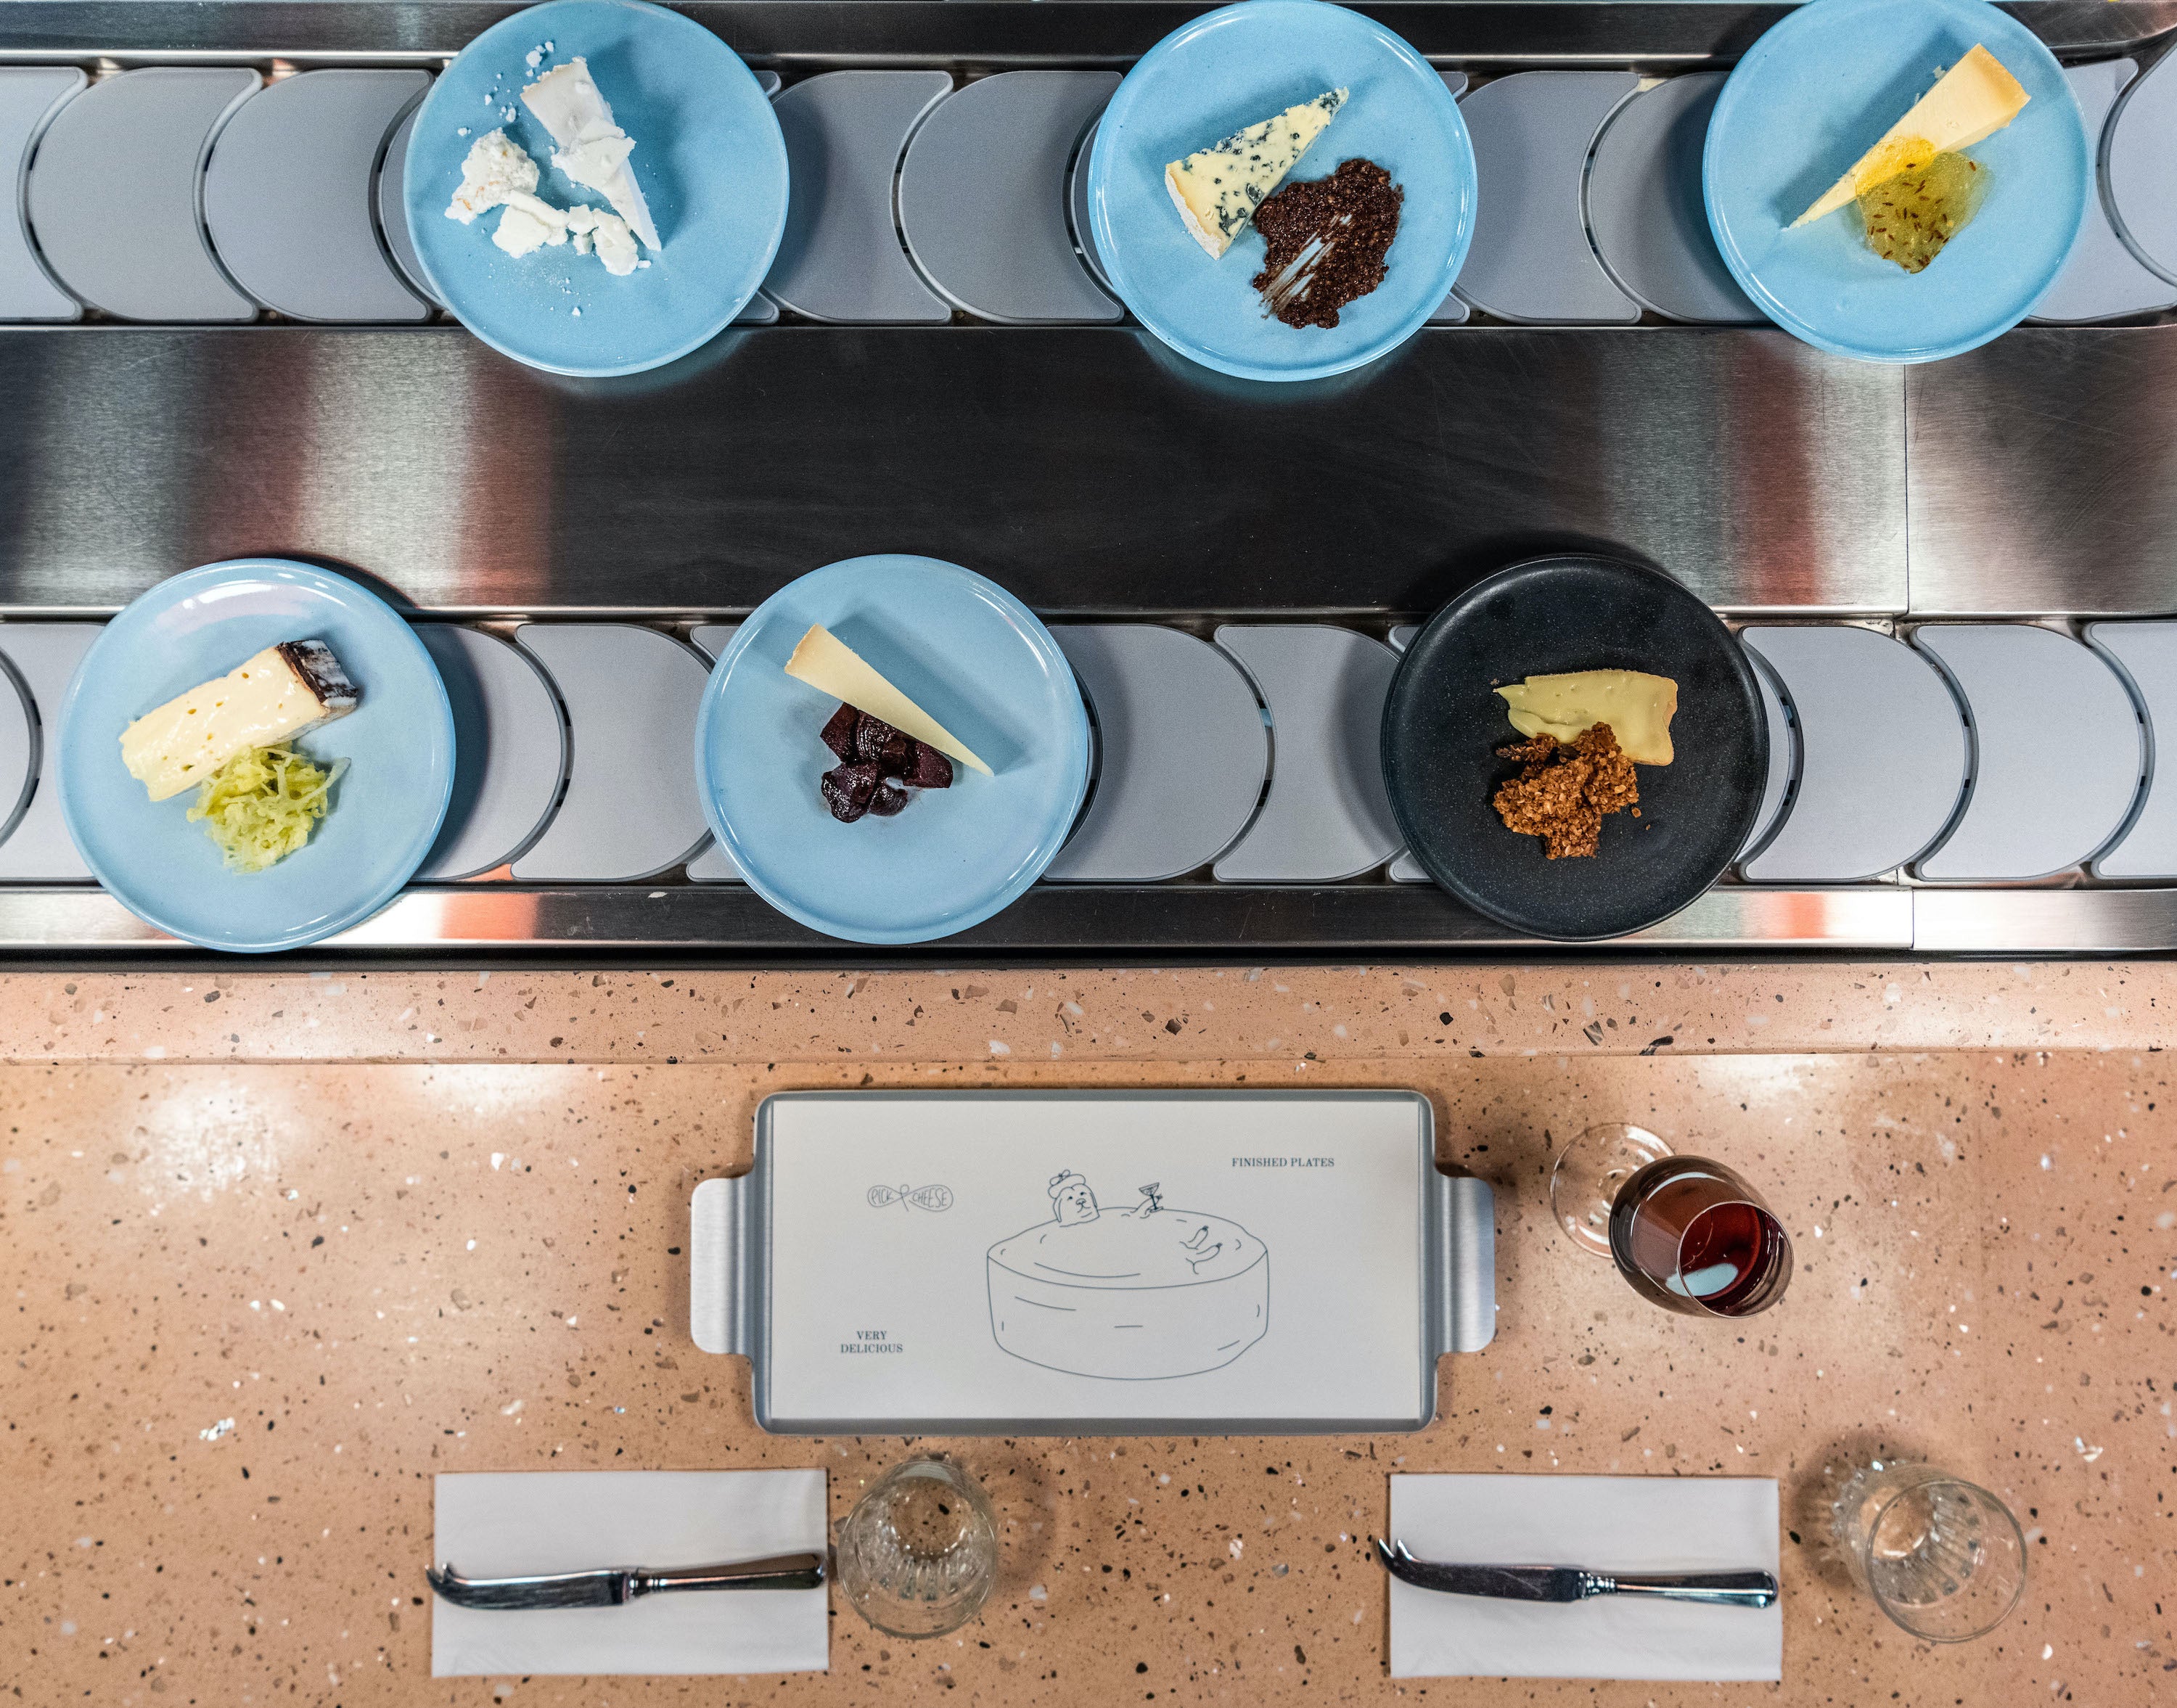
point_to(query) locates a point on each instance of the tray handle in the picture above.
(722, 1303)
(1462, 1263)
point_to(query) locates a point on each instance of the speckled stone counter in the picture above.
(361, 1219)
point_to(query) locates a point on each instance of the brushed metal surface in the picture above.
(2041, 475)
(1086, 469)
(2107, 921)
(1483, 33)
(1113, 923)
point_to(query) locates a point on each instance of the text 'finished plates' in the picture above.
(974, 658)
(386, 808)
(1816, 92)
(1232, 69)
(708, 158)
(1444, 724)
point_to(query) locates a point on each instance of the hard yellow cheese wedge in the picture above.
(1637, 706)
(829, 665)
(1973, 100)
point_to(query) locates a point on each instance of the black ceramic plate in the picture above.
(1443, 726)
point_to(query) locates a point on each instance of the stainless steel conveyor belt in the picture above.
(935, 368)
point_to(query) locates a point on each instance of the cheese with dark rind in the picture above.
(283, 692)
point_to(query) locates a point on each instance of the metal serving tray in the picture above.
(1092, 1262)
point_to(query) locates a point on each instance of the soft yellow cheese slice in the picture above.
(1973, 100)
(261, 701)
(1217, 189)
(829, 665)
(1637, 706)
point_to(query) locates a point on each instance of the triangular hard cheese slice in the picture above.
(829, 665)
(1975, 99)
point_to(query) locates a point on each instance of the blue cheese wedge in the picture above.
(1218, 189)
(282, 693)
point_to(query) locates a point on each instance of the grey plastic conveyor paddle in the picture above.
(29, 96)
(2147, 653)
(2103, 280)
(983, 196)
(1645, 209)
(1532, 261)
(2057, 751)
(393, 208)
(18, 752)
(1783, 754)
(2139, 165)
(1881, 752)
(287, 195)
(113, 194)
(1076, 207)
(43, 657)
(1327, 816)
(510, 751)
(629, 811)
(840, 257)
(1451, 312)
(1163, 803)
(1405, 869)
(712, 864)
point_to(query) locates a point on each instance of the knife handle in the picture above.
(784, 1572)
(1727, 1589)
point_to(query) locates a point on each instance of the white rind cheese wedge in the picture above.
(588, 147)
(829, 665)
(283, 692)
(1218, 189)
(1637, 706)
(1973, 100)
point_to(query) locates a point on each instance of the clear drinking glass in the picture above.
(1942, 1557)
(919, 1554)
(1688, 1234)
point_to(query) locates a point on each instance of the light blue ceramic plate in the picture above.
(977, 661)
(708, 154)
(1812, 96)
(1233, 69)
(386, 807)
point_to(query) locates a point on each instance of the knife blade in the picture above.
(614, 1585)
(1564, 1584)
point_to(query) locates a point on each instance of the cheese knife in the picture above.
(614, 1586)
(1574, 1584)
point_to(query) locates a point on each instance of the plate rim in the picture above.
(1463, 893)
(1100, 168)
(1779, 314)
(710, 709)
(185, 582)
(411, 195)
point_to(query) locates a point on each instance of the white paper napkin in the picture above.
(517, 1523)
(1608, 1523)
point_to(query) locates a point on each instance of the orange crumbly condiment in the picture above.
(1565, 788)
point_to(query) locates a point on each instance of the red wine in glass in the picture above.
(1692, 1236)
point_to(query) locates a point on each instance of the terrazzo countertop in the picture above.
(281, 1248)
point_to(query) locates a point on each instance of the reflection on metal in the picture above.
(1197, 920)
(2042, 475)
(2044, 922)
(1766, 475)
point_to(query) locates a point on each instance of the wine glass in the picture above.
(1688, 1234)
(919, 1554)
(1941, 1557)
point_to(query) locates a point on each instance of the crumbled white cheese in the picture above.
(497, 169)
(528, 224)
(588, 146)
(499, 174)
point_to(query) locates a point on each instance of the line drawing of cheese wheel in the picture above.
(1136, 1294)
